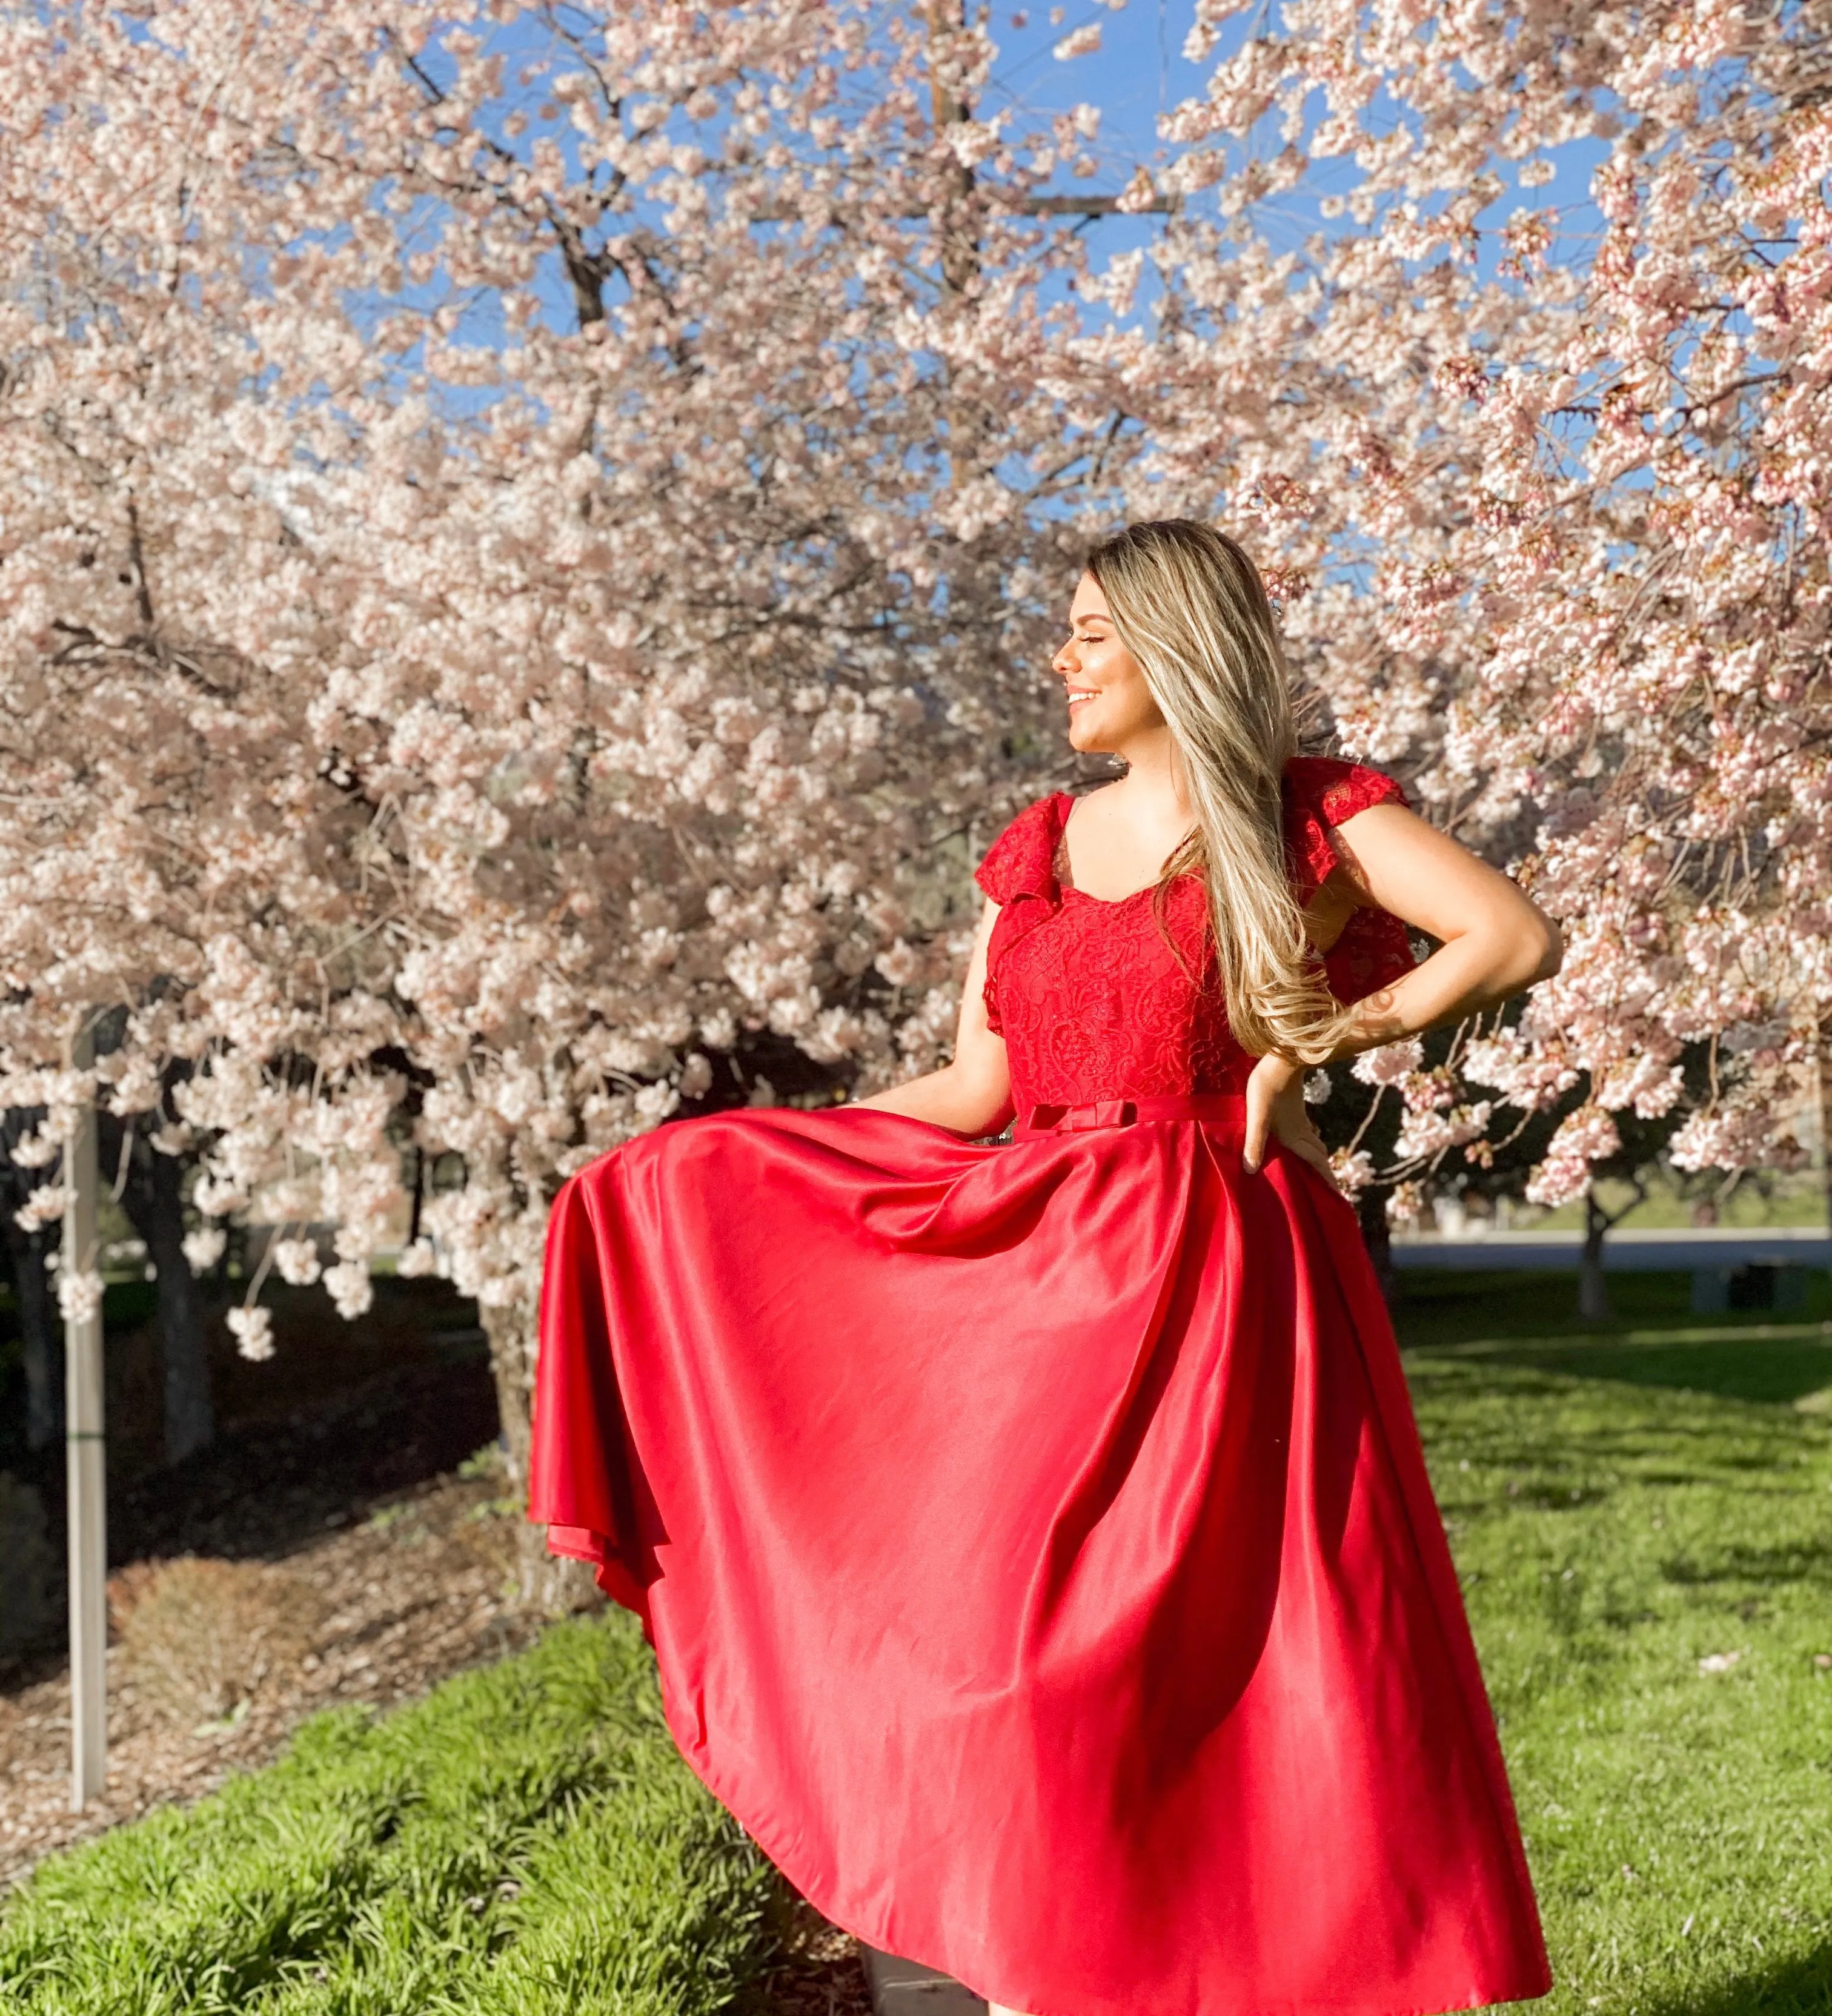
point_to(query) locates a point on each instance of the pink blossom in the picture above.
(1390, 1064)
(1582, 1138)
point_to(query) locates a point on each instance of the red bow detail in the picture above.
(1080, 1119)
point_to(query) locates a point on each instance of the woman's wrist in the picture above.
(947, 1097)
(1363, 1033)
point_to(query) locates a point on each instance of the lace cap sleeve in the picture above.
(1018, 862)
(1321, 794)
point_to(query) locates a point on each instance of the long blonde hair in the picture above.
(1191, 608)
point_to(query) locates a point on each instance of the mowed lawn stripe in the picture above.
(1642, 1517)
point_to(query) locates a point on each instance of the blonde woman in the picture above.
(1034, 1539)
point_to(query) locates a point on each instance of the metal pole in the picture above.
(85, 1462)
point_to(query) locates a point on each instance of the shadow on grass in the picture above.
(1777, 1370)
(1746, 1564)
(1802, 1987)
(1652, 1337)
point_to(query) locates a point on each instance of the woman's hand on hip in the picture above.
(1275, 1107)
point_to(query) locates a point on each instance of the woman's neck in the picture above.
(1152, 788)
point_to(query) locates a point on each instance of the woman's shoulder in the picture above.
(1336, 790)
(1020, 861)
(1324, 792)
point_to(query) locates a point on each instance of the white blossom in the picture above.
(204, 1247)
(296, 1261)
(252, 1329)
(79, 1294)
(351, 1287)
(417, 1259)
(44, 1206)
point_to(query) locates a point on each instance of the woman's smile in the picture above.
(1127, 711)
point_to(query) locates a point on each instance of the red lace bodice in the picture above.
(1093, 1001)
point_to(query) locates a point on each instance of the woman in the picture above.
(1034, 1539)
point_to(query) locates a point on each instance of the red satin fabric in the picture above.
(1038, 1549)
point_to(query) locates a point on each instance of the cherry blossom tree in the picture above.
(532, 533)
(505, 598)
(1554, 476)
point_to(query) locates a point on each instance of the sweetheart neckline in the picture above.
(1111, 903)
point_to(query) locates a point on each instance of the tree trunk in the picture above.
(1825, 1063)
(1370, 1208)
(1593, 1294)
(550, 1586)
(154, 1198)
(41, 1335)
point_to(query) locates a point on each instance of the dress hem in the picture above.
(882, 1938)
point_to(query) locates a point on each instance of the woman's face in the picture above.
(1110, 704)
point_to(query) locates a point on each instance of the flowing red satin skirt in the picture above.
(1038, 1555)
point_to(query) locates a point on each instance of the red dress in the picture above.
(1035, 1539)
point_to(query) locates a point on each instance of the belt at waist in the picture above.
(1226, 1109)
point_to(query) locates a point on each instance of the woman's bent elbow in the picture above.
(1521, 953)
(1533, 953)
(983, 1104)
(1548, 946)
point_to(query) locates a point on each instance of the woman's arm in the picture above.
(972, 1095)
(1493, 941)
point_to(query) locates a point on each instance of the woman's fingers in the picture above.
(1275, 1107)
(1259, 1114)
(1302, 1140)
(1318, 1156)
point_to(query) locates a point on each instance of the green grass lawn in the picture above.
(1625, 1502)
(1771, 1199)
(524, 1842)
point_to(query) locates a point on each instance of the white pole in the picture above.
(85, 1463)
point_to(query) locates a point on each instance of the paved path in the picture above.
(1679, 1250)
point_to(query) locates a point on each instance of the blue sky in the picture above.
(1138, 72)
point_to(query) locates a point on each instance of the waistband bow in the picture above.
(1212, 1109)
